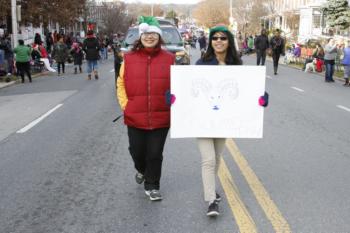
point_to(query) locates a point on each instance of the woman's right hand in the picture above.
(264, 100)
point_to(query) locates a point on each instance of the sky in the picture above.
(164, 1)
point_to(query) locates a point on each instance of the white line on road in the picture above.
(112, 70)
(344, 108)
(269, 77)
(297, 89)
(35, 122)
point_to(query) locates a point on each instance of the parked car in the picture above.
(171, 37)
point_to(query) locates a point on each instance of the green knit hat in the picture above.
(149, 24)
(219, 28)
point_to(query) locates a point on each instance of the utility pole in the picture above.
(14, 22)
(231, 15)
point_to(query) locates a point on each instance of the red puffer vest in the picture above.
(147, 78)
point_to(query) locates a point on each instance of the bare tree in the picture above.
(64, 12)
(212, 12)
(5, 8)
(257, 11)
(115, 19)
(293, 21)
(136, 10)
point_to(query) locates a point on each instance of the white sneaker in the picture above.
(154, 195)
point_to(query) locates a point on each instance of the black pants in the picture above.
(146, 149)
(24, 67)
(116, 70)
(275, 58)
(59, 64)
(260, 56)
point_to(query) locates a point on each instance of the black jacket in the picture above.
(261, 42)
(277, 45)
(202, 42)
(91, 47)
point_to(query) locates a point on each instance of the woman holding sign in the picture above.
(144, 80)
(221, 51)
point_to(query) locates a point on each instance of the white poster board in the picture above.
(217, 101)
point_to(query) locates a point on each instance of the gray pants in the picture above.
(211, 150)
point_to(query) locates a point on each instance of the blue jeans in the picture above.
(2, 57)
(10, 65)
(92, 65)
(329, 70)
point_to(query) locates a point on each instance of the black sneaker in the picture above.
(96, 76)
(139, 178)
(217, 197)
(213, 209)
(154, 195)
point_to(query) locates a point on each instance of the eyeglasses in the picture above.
(150, 34)
(222, 38)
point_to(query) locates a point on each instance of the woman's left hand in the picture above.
(264, 100)
(169, 98)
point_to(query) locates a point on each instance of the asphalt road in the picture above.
(71, 172)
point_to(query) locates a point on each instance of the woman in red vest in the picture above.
(142, 88)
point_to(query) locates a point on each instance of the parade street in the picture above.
(65, 166)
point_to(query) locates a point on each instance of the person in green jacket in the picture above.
(22, 60)
(250, 44)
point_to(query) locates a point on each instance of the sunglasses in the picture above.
(150, 34)
(222, 38)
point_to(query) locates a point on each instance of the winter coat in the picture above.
(213, 61)
(318, 53)
(77, 55)
(202, 42)
(60, 52)
(297, 51)
(261, 42)
(346, 59)
(277, 45)
(91, 47)
(5, 45)
(250, 42)
(142, 86)
(43, 51)
(22, 53)
(330, 52)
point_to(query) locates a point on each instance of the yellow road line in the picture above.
(243, 219)
(271, 211)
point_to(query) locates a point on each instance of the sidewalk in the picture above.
(281, 62)
(7, 84)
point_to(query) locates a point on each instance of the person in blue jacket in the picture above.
(346, 63)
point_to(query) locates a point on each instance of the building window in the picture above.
(316, 19)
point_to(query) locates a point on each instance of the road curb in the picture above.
(4, 84)
(18, 80)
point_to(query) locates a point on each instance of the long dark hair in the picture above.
(138, 44)
(232, 56)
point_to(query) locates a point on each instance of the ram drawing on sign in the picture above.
(217, 101)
